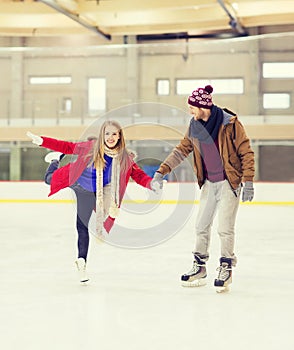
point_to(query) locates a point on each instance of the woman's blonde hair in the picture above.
(98, 151)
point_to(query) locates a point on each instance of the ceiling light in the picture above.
(235, 6)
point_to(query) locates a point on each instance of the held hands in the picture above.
(248, 191)
(37, 140)
(157, 183)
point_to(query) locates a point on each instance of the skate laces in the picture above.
(81, 265)
(223, 272)
(195, 268)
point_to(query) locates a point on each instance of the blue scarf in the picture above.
(207, 132)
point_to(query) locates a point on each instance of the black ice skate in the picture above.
(196, 277)
(224, 278)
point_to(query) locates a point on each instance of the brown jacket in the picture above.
(234, 147)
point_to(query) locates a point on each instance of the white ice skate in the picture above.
(81, 266)
(224, 279)
(53, 156)
(196, 277)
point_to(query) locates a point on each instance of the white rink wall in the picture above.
(31, 190)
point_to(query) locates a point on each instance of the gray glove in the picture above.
(248, 191)
(37, 140)
(157, 182)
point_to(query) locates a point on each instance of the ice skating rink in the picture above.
(134, 299)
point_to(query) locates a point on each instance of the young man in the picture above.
(223, 159)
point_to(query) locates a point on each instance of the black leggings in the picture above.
(50, 170)
(86, 203)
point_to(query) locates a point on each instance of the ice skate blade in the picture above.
(195, 283)
(84, 282)
(222, 289)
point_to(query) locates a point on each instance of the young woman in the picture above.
(99, 178)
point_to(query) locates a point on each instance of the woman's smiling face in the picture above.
(111, 136)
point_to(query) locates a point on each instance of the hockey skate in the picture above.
(196, 277)
(224, 278)
(53, 156)
(81, 266)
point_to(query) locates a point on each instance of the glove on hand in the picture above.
(248, 191)
(37, 140)
(157, 182)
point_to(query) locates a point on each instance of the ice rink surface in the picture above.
(135, 299)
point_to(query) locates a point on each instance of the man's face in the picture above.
(198, 113)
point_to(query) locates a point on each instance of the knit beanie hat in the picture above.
(201, 97)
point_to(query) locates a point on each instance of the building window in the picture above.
(48, 80)
(67, 104)
(278, 70)
(96, 95)
(220, 86)
(276, 101)
(163, 87)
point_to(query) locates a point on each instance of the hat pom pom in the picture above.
(209, 89)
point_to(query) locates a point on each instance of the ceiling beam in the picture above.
(53, 4)
(233, 19)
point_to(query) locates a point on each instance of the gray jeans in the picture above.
(217, 196)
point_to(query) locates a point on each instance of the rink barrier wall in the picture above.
(155, 131)
(37, 192)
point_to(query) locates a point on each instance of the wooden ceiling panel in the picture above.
(129, 17)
